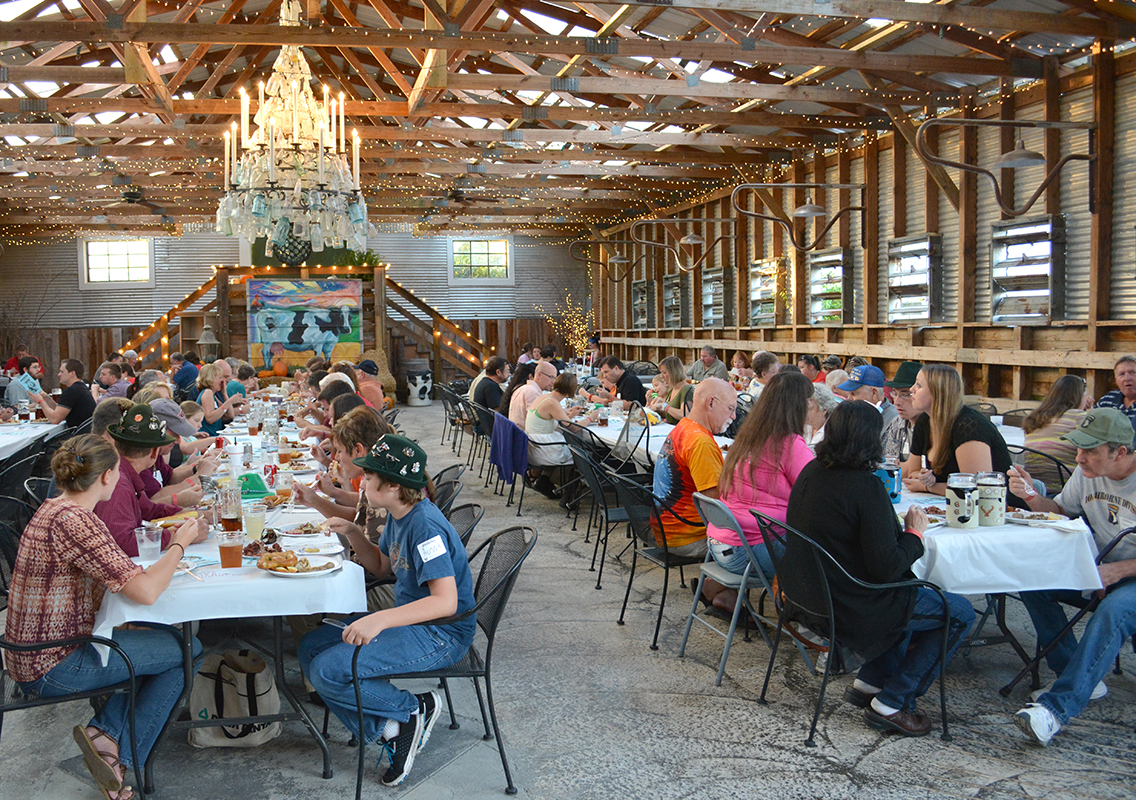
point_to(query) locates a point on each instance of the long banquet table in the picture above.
(15, 436)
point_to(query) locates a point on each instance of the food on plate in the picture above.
(257, 548)
(307, 529)
(280, 562)
(273, 500)
(174, 520)
(935, 511)
(1041, 516)
(725, 448)
(288, 562)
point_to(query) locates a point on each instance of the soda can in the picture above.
(270, 475)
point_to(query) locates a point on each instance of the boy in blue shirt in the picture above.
(422, 551)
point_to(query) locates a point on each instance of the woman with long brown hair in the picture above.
(761, 468)
(951, 437)
(1060, 412)
(678, 389)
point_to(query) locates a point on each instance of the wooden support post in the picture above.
(1100, 254)
(381, 341)
(871, 223)
(821, 197)
(800, 258)
(1052, 82)
(742, 235)
(930, 188)
(968, 223)
(899, 187)
(223, 310)
(1006, 136)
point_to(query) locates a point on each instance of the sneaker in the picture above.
(402, 749)
(431, 706)
(1099, 691)
(1037, 722)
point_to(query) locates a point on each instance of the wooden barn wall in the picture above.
(1019, 364)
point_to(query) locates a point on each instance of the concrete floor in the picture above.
(588, 711)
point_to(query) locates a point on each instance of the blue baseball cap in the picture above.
(863, 375)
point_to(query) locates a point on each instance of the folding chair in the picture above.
(715, 512)
(812, 595)
(645, 516)
(504, 553)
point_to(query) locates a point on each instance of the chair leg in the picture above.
(811, 741)
(662, 605)
(730, 635)
(690, 619)
(521, 499)
(450, 702)
(509, 788)
(627, 594)
(481, 705)
(326, 719)
(772, 658)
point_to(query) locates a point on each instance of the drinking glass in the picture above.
(149, 541)
(254, 520)
(231, 546)
(284, 487)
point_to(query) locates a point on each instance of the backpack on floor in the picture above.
(231, 685)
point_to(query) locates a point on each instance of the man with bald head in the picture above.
(227, 372)
(691, 461)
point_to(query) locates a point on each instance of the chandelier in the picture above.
(289, 181)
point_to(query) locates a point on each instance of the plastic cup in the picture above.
(254, 520)
(231, 544)
(149, 543)
(284, 485)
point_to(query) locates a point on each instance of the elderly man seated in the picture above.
(183, 373)
(691, 461)
(1101, 489)
(1123, 398)
(867, 383)
(709, 366)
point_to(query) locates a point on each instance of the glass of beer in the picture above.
(284, 454)
(254, 520)
(231, 544)
(230, 500)
(284, 485)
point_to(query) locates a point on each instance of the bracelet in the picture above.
(913, 532)
(178, 544)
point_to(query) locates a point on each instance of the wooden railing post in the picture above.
(381, 311)
(164, 341)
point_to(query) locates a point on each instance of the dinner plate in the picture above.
(310, 548)
(315, 561)
(1052, 519)
(295, 534)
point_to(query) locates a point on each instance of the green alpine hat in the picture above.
(905, 376)
(397, 459)
(139, 427)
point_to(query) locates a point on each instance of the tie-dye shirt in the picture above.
(689, 462)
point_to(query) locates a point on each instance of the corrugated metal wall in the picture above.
(1124, 222)
(989, 148)
(948, 227)
(47, 275)
(857, 175)
(1078, 106)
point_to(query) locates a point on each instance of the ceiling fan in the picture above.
(132, 196)
(457, 197)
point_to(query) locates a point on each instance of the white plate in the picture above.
(321, 548)
(315, 561)
(1016, 521)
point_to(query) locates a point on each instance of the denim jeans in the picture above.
(157, 660)
(326, 660)
(907, 669)
(1080, 666)
(736, 560)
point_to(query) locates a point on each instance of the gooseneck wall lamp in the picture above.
(618, 265)
(1018, 158)
(806, 211)
(689, 240)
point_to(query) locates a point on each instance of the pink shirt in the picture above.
(519, 404)
(765, 489)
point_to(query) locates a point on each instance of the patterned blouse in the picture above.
(67, 558)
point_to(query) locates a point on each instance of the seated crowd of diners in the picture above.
(805, 455)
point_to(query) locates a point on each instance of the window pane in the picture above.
(140, 273)
(461, 247)
(481, 272)
(461, 260)
(497, 260)
(461, 272)
(498, 272)
(479, 247)
(499, 246)
(119, 274)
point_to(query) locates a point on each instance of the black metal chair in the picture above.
(643, 368)
(450, 406)
(13, 698)
(483, 435)
(985, 409)
(812, 595)
(464, 518)
(745, 405)
(1016, 417)
(605, 509)
(1051, 471)
(36, 491)
(645, 516)
(450, 473)
(504, 553)
(445, 494)
(635, 434)
(1090, 605)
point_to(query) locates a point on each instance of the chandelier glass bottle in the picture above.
(290, 181)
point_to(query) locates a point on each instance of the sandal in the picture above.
(105, 773)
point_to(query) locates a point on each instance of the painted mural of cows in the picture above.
(318, 331)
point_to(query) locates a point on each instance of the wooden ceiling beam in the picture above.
(274, 35)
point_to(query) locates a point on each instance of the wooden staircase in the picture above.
(415, 331)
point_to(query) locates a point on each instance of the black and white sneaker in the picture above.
(403, 748)
(431, 708)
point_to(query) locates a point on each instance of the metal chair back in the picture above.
(445, 494)
(450, 473)
(464, 518)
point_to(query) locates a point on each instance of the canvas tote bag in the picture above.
(228, 686)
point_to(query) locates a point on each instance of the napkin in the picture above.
(253, 486)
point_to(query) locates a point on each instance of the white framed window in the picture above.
(481, 262)
(116, 263)
(915, 279)
(1028, 271)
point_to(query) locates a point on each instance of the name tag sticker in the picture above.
(431, 549)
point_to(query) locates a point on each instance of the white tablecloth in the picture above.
(1008, 558)
(241, 592)
(1012, 435)
(16, 436)
(652, 442)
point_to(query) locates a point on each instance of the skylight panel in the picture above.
(9, 11)
(550, 25)
(716, 76)
(473, 122)
(42, 88)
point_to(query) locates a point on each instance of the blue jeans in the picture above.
(907, 669)
(1080, 666)
(326, 660)
(736, 560)
(154, 654)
